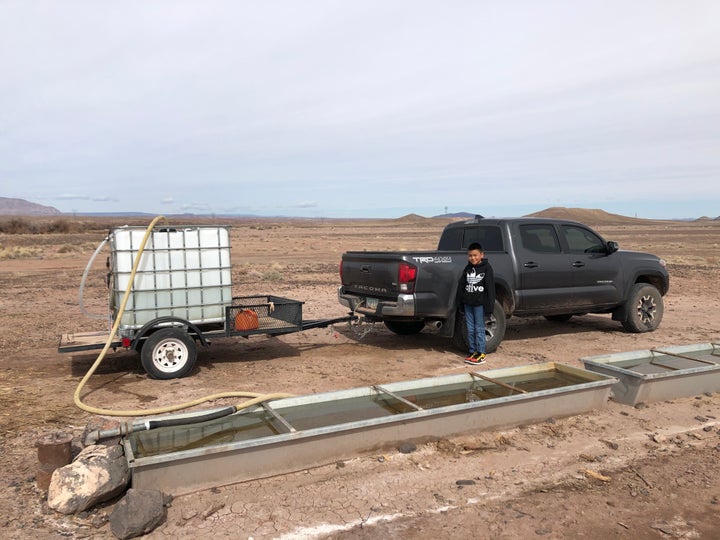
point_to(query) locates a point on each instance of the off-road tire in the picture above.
(644, 309)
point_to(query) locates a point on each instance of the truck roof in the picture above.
(477, 220)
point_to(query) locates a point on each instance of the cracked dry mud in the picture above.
(620, 472)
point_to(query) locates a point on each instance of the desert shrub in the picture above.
(272, 276)
(67, 248)
(59, 226)
(18, 252)
(17, 226)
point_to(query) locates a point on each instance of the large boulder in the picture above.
(97, 474)
(138, 513)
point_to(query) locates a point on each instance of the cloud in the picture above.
(359, 107)
(72, 197)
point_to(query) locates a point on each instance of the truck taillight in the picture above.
(407, 274)
(341, 273)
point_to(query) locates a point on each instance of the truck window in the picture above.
(539, 238)
(489, 237)
(580, 240)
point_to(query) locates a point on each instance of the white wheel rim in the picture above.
(170, 355)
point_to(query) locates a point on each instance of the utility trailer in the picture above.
(181, 294)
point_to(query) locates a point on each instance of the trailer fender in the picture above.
(162, 322)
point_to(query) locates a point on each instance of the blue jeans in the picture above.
(475, 320)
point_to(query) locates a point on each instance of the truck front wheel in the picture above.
(495, 326)
(644, 309)
(169, 353)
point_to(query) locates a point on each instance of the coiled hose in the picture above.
(255, 397)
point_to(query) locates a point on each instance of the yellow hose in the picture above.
(256, 397)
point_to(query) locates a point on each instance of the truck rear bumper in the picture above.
(404, 306)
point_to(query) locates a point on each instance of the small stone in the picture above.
(339, 464)
(100, 520)
(708, 428)
(465, 482)
(189, 514)
(640, 405)
(407, 448)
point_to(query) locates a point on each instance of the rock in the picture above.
(97, 474)
(465, 482)
(138, 512)
(407, 448)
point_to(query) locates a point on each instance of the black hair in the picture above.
(475, 246)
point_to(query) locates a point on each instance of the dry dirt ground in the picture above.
(660, 462)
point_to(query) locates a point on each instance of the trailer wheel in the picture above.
(644, 309)
(495, 326)
(405, 328)
(169, 353)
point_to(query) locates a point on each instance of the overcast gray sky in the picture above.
(361, 108)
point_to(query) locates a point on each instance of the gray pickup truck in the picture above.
(543, 267)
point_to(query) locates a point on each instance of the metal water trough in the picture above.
(660, 374)
(294, 433)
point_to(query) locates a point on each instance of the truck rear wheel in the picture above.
(495, 326)
(169, 353)
(644, 309)
(405, 328)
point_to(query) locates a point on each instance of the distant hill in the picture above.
(590, 216)
(461, 215)
(411, 217)
(21, 207)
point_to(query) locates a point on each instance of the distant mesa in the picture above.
(455, 215)
(21, 207)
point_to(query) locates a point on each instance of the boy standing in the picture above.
(476, 294)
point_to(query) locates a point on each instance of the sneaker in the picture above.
(475, 359)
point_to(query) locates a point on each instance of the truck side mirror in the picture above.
(612, 247)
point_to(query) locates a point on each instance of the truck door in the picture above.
(545, 271)
(596, 277)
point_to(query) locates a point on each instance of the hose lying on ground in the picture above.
(145, 424)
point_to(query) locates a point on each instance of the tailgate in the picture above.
(371, 274)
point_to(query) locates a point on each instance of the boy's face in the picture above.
(475, 256)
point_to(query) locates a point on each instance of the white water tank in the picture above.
(184, 272)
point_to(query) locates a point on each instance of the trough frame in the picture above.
(201, 468)
(633, 387)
